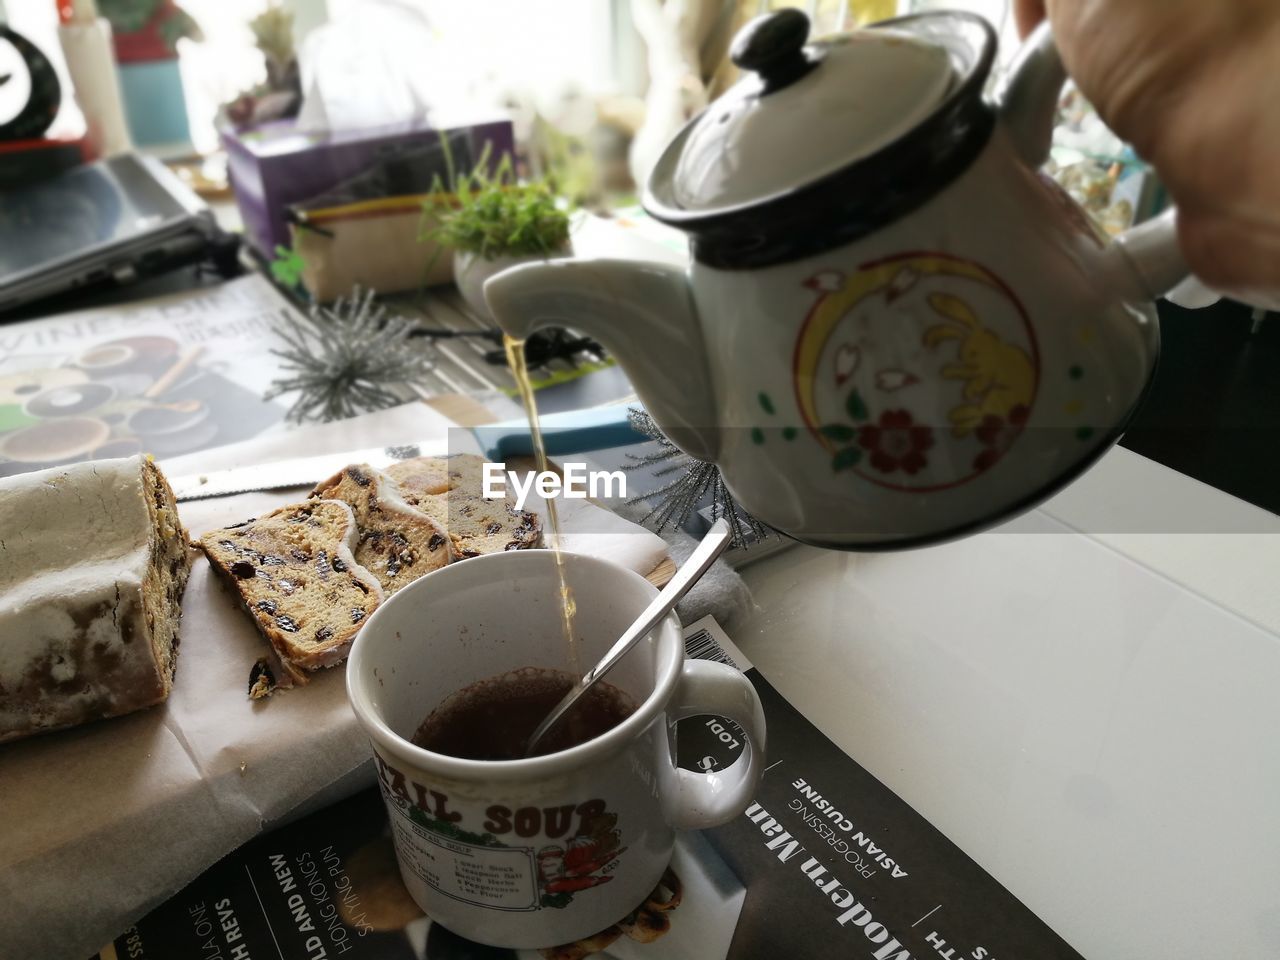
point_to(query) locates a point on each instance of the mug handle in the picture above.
(1144, 262)
(694, 801)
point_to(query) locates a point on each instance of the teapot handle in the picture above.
(1146, 260)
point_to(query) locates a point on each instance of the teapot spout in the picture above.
(642, 313)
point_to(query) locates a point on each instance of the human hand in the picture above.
(1195, 87)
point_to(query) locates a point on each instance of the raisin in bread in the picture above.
(93, 563)
(295, 573)
(398, 544)
(450, 491)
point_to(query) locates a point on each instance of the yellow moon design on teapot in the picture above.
(916, 372)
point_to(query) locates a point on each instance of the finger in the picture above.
(1027, 14)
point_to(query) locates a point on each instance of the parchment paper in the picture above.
(101, 823)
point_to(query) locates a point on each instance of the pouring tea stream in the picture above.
(893, 329)
(699, 562)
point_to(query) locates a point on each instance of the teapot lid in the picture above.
(806, 113)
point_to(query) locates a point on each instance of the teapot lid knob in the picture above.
(773, 47)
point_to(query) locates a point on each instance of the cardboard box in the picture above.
(275, 166)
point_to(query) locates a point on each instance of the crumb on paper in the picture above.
(203, 479)
(262, 681)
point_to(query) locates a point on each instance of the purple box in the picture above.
(275, 165)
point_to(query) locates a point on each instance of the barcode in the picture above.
(702, 646)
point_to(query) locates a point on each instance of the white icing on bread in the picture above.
(93, 562)
(449, 490)
(397, 543)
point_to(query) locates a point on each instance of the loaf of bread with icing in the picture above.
(450, 491)
(396, 542)
(93, 564)
(294, 571)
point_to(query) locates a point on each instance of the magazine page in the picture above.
(837, 865)
(167, 376)
(328, 886)
(827, 862)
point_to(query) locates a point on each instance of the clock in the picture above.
(29, 90)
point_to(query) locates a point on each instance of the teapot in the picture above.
(893, 329)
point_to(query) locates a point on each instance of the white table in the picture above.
(1093, 717)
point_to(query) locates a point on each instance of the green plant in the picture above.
(133, 16)
(273, 35)
(288, 266)
(129, 16)
(492, 214)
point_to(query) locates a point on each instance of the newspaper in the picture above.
(826, 862)
(167, 376)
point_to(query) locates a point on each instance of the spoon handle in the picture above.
(711, 546)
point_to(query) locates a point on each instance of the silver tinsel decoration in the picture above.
(677, 500)
(343, 359)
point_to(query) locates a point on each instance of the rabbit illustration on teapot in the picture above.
(998, 377)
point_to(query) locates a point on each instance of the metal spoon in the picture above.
(712, 545)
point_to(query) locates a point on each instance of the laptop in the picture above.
(110, 222)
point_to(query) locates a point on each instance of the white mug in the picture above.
(550, 849)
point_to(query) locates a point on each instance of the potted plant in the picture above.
(148, 30)
(491, 222)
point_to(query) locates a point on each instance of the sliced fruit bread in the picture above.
(450, 491)
(295, 573)
(397, 543)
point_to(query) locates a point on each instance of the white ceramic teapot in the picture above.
(894, 329)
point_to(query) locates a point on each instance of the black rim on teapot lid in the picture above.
(821, 143)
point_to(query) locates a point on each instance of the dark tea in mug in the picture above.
(494, 718)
